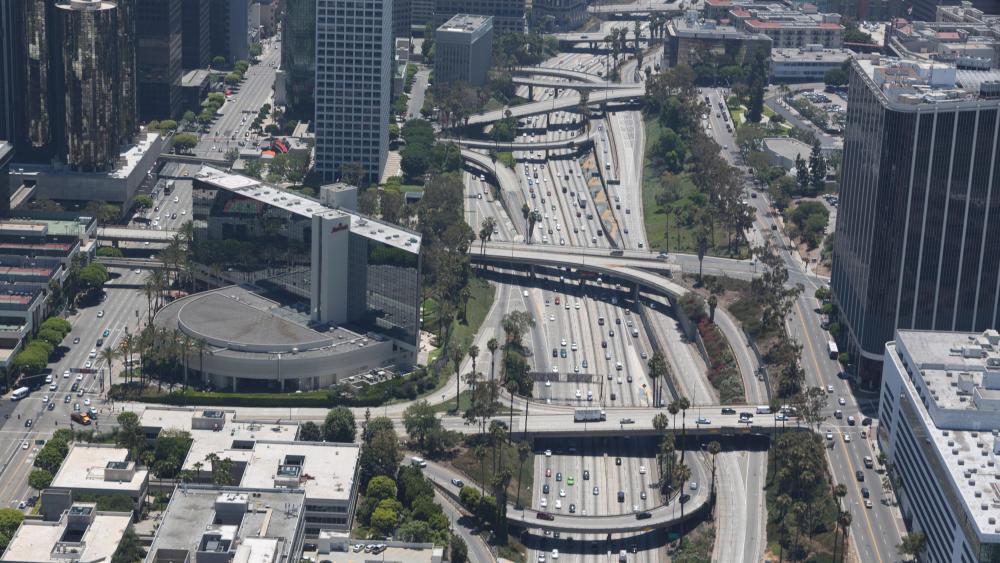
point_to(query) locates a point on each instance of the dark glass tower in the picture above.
(195, 29)
(92, 74)
(127, 113)
(40, 137)
(11, 68)
(158, 58)
(917, 242)
(298, 57)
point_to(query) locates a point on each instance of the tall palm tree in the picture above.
(481, 454)
(492, 346)
(457, 354)
(125, 347)
(523, 451)
(187, 346)
(673, 408)
(683, 474)
(201, 346)
(658, 368)
(683, 403)
(714, 448)
(473, 354)
(666, 453)
(844, 523)
(108, 354)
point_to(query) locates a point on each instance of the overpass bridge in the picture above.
(580, 141)
(195, 159)
(570, 101)
(131, 234)
(574, 85)
(565, 73)
(636, 9)
(593, 41)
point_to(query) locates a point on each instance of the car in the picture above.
(524, 293)
(545, 489)
(694, 485)
(829, 388)
(100, 314)
(596, 491)
(578, 394)
(75, 386)
(27, 423)
(79, 376)
(545, 516)
(869, 462)
(865, 492)
(45, 399)
(544, 503)
(558, 504)
(548, 453)
(860, 476)
(67, 398)
(841, 401)
(618, 461)
(847, 437)
(572, 508)
(586, 475)
(558, 477)
(548, 472)
(555, 554)
(829, 435)
(621, 496)
(627, 421)
(107, 332)
(642, 470)
(728, 410)
(868, 503)
(541, 558)
(866, 421)
(838, 414)
(76, 340)
(643, 515)
(53, 387)
(570, 481)
(642, 495)
(850, 420)
(703, 420)
(619, 380)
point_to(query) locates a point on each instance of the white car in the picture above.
(558, 504)
(694, 485)
(642, 470)
(847, 437)
(562, 493)
(87, 365)
(53, 387)
(66, 374)
(525, 293)
(555, 554)
(79, 376)
(841, 401)
(86, 402)
(548, 383)
(48, 378)
(548, 453)
(829, 388)
(544, 503)
(45, 399)
(578, 394)
(100, 314)
(829, 435)
(576, 305)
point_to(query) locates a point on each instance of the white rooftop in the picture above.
(93, 466)
(959, 375)
(292, 202)
(49, 542)
(201, 423)
(134, 154)
(322, 470)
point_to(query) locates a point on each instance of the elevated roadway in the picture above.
(639, 7)
(569, 101)
(576, 142)
(574, 85)
(565, 73)
(128, 234)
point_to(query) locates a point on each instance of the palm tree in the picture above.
(187, 346)
(683, 403)
(714, 448)
(840, 491)
(657, 368)
(523, 451)
(666, 453)
(457, 354)
(660, 422)
(497, 436)
(683, 474)
(108, 354)
(492, 346)
(126, 346)
(480, 453)
(473, 354)
(673, 408)
(200, 345)
(844, 523)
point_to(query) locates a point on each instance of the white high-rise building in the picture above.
(354, 60)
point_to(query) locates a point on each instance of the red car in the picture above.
(545, 516)
(548, 473)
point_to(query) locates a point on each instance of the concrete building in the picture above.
(863, 10)
(464, 49)
(194, 89)
(783, 151)
(336, 547)
(690, 36)
(195, 28)
(82, 533)
(790, 28)
(354, 68)
(159, 56)
(559, 15)
(508, 15)
(939, 425)
(335, 294)
(807, 64)
(298, 58)
(962, 35)
(229, 29)
(916, 226)
(94, 470)
(220, 524)
(268, 15)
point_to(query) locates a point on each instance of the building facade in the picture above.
(508, 15)
(92, 75)
(938, 418)
(229, 29)
(790, 28)
(919, 218)
(689, 38)
(195, 27)
(298, 58)
(464, 49)
(159, 55)
(41, 134)
(354, 66)
(559, 15)
(809, 64)
(11, 68)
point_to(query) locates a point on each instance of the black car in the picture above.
(586, 474)
(866, 421)
(27, 423)
(76, 340)
(618, 461)
(545, 489)
(860, 476)
(728, 410)
(51, 406)
(555, 353)
(685, 497)
(865, 492)
(643, 516)
(75, 386)
(67, 398)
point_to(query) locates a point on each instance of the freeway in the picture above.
(639, 6)
(558, 72)
(569, 101)
(575, 85)
(662, 516)
(576, 142)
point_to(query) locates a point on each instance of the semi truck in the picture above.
(589, 415)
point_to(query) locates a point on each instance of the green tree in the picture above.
(913, 544)
(168, 125)
(835, 77)
(310, 432)
(339, 425)
(189, 116)
(415, 531)
(110, 252)
(459, 550)
(802, 178)
(255, 50)
(233, 78)
(384, 520)
(817, 168)
(420, 421)
(130, 435)
(143, 201)
(184, 142)
(10, 520)
(218, 61)
(40, 479)
(380, 451)
(380, 488)
(129, 549)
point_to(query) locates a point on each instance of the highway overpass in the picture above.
(574, 85)
(573, 143)
(570, 101)
(129, 234)
(195, 159)
(565, 73)
(636, 8)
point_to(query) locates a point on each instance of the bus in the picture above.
(19, 394)
(831, 347)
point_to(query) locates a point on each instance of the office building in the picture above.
(92, 74)
(790, 28)
(6, 155)
(229, 29)
(41, 131)
(211, 524)
(464, 49)
(158, 58)
(82, 533)
(298, 58)
(962, 35)
(128, 112)
(918, 225)
(94, 470)
(401, 23)
(807, 64)
(508, 15)
(12, 58)
(421, 13)
(864, 10)
(559, 15)
(939, 426)
(326, 294)
(690, 36)
(337, 547)
(354, 68)
(195, 28)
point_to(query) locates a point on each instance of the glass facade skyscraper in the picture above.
(917, 241)
(158, 58)
(298, 57)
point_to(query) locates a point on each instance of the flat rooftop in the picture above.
(787, 147)
(207, 440)
(292, 202)
(268, 519)
(691, 28)
(36, 540)
(322, 470)
(912, 82)
(240, 321)
(465, 23)
(961, 413)
(85, 467)
(786, 55)
(396, 551)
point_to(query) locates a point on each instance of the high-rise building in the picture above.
(938, 420)
(354, 64)
(463, 49)
(421, 13)
(298, 57)
(561, 15)
(508, 15)
(401, 13)
(6, 154)
(195, 45)
(11, 67)
(38, 141)
(158, 58)
(92, 73)
(127, 108)
(918, 225)
(229, 33)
